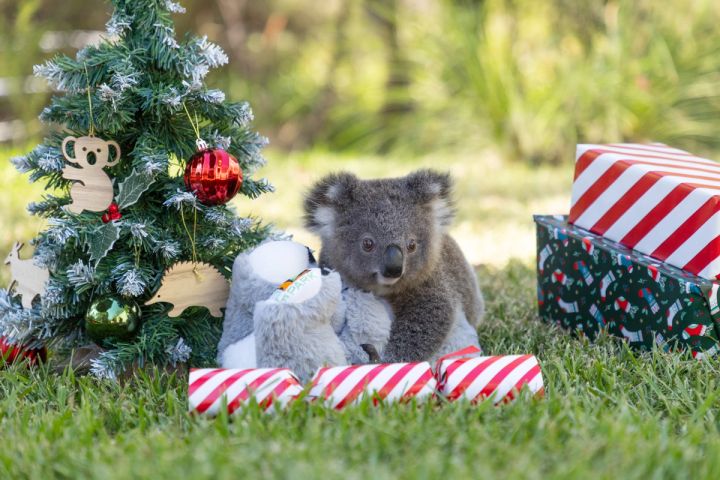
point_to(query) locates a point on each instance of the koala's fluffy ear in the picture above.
(434, 189)
(325, 199)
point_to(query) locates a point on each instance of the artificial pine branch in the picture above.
(139, 78)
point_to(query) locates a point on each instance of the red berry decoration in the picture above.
(113, 213)
(10, 353)
(214, 175)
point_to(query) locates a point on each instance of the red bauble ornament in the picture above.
(10, 353)
(214, 175)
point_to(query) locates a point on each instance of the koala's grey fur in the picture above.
(437, 290)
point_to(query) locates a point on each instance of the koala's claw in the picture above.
(372, 352)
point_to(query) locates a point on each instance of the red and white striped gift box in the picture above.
(211, 388)
(658, 200)
(342, 386)
(496, 377)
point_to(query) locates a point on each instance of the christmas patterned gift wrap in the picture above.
(394, 382)
(212, 388)
(658, 200)
(587, 283)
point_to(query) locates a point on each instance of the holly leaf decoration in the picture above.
(132, 187)
(102, 240)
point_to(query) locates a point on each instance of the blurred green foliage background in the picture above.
(498, 92)
(526, 78)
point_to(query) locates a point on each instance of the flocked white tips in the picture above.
(275, 262)
(299, 289)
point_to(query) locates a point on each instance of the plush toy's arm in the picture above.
(353, 351)
(367, 321)
(246, 289)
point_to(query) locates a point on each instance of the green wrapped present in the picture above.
(588, 283)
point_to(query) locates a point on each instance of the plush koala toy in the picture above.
(283, 311)
(389, 237)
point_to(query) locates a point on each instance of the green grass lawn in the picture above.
(608, 412)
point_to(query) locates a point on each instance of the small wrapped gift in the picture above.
(464, 374)
(212, 388)
(396, 382)
(587, 284)
(655, 199)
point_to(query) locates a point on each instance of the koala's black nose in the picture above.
(392, 262)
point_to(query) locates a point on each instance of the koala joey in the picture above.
(389, 237)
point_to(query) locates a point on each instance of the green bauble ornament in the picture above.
(112, 317)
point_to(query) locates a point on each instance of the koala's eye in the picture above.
(412, 245)
(98, 150)
(84, 149)
(368, 244)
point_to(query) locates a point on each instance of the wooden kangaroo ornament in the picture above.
(92, 189)
(28, 279)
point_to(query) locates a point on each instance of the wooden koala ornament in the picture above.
(28, 279)
(93, 188)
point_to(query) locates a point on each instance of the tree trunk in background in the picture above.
(397, 102)
(313, 124)
(21, 98)
(231, 12)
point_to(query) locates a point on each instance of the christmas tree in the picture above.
(144, 89)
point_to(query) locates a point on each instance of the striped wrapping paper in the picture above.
(497, 377)
(658, 200)
(342, 386)
(211, 388)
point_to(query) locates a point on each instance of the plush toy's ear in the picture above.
(434, 189)
(325, 198)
